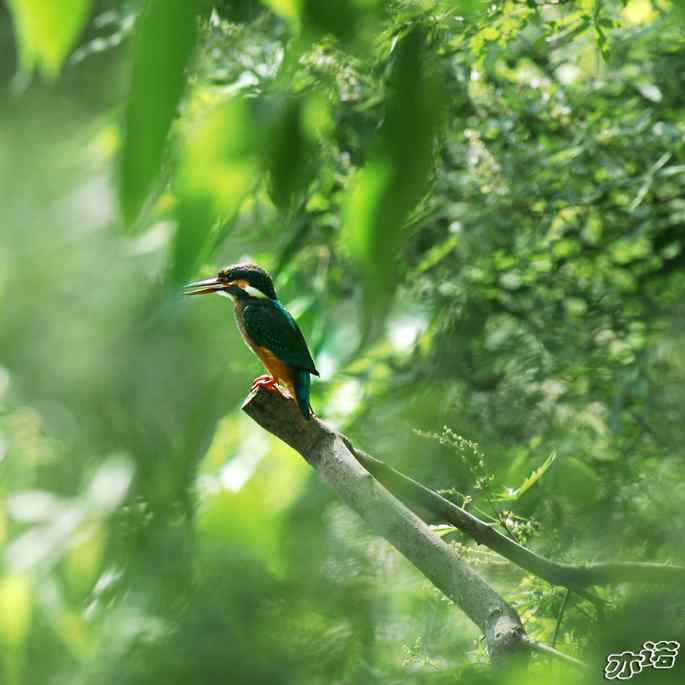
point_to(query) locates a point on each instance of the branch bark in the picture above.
(437, 509)
(330, 453)
(387, 501)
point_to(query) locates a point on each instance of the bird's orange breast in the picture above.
(277, 368)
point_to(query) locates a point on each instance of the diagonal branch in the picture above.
(327, 451)
(437, 509)
(331, 454)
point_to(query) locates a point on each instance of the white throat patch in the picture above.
(255, 292)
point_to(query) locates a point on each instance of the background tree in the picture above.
(476, 212)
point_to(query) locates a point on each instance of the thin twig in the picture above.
(550, 651)
(561, 615)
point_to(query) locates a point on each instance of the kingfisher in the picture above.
(268, 329)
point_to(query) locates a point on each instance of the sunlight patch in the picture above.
(241, 468)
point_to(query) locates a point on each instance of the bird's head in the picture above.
(239, 281)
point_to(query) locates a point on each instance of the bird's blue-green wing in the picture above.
(272, 326)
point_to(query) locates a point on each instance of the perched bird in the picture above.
(267, 327)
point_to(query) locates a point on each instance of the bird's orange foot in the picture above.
(267, 382)
(271, 384)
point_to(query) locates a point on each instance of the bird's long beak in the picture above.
(211, 285)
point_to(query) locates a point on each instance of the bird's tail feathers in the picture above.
(302, 384)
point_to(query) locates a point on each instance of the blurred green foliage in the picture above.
(165, 40)
(476, 213)
(46, 32)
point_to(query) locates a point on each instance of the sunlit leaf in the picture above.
(514, 494)
(15, 608)
(83, 560)
(639, 12)
(73, 630)
(288, 9)
(46, 31)
(165, 42)
(364, 220)
(349, 21)
(220, 163)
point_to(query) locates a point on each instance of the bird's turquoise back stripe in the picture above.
(302, 382)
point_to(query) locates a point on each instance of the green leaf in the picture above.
(354, 21)
(510, 495)
(219, 164)
(16, 600)
(46, 31)
(222, 160)
(395, 178)
(164, 44)
(288, 153)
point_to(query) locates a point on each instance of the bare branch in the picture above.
(328, 452)
(437, 509)
(338, 464)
